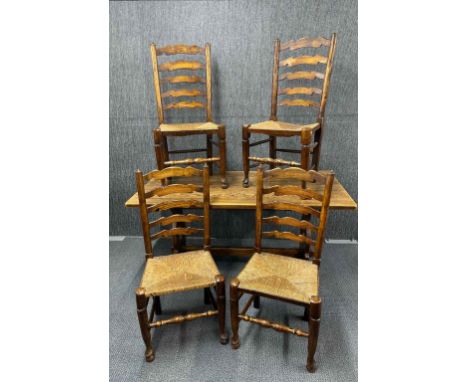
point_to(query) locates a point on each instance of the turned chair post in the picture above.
(222, 155)
(245, 154)
(314, 326)
(234, 298)
(221, 304)
(142, 303)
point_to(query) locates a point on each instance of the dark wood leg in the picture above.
(272, 150)
(209, 152)
(222, 156)
(159, 150)
(142, 303)
(316, 154)
(257, 302)
(314, 325)
(206, 296)
(165, 148)
(245, 154)
(157, 302)
(235, 343)
(221, 302)
(306, 138)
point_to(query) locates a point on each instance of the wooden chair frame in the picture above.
(162, 151)
(312, 249)
(178, 222)
(311, 137)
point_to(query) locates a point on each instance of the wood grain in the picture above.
(298, 173)
(179, 319)
(176, 232)
(274, 161)
(182, 93)
(301, 75)
(184, 105)
(288, 236)
(286, 206)
(182, 79)
(303, 193)
(179, 49)
(176, 218)
(290, 221)
(303, 60)
(299, 102)
(305, 43)
(173, 189)
(180, 65)
(184, 203)
(300, 90)
(170, 172)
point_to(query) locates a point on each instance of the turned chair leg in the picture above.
(222, 155)
(257, 302)
(235, 343)
(209, 152)
(142, 303)
(272, 150)
(221, 303)
(245, 154)
(314, 325)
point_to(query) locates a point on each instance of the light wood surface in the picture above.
(238, 197)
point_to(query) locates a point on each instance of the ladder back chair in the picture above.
(178, 272)
(280, 277)
(310, 134)
(169, 99)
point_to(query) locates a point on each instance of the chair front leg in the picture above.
(235, 343)
(314, 325)
(142, 303)
(221, 302)
(245, 154)
(222, 155)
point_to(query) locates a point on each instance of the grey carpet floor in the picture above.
(191, 351)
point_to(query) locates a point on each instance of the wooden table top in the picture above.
(238, 197)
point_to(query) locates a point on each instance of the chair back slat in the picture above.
(290, 221)
(313, 60)
(289, 236)
(194, 65)
(174, 189)
(183, 93)
(176, 232)
(295, 204)
(177, 220)
(303, 193)
(182, 79)
(169, 50)
(305, 43)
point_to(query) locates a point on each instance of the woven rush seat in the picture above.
(193, 127)
(268, 125)
(281, 276)
(179, 272)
